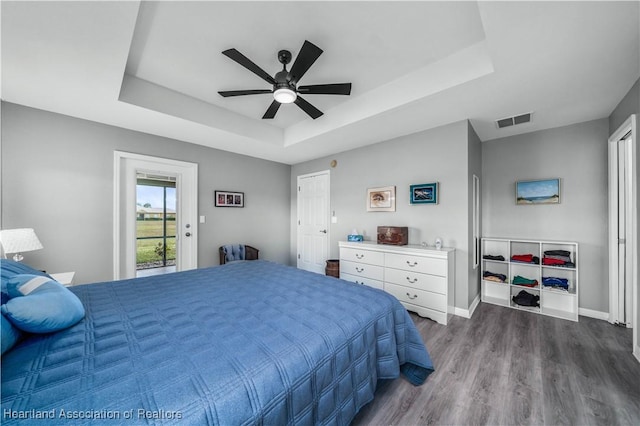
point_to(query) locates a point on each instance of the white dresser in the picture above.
(419, 277)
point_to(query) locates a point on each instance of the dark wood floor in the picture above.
(510, 367)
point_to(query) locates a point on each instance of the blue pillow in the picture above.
(10, 268)
(39, 304)
(10, 335)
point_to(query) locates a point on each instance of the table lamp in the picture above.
(18, 241)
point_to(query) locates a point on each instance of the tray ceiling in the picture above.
(156, 67)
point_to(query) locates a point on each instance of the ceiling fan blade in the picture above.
(271, 111)
(326, 89)
(228, 93)
(308, 108)
(248, 64)
(307, 56)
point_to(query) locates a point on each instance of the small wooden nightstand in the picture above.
(64, 278)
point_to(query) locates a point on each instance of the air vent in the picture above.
(524, 118)
(142, 175)
(512, 121)
(505, 122)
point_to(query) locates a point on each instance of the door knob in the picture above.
(324, 231)
(188, 234)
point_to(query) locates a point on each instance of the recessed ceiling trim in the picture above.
(461, 67)
(157, 98)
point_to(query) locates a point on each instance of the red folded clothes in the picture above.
(522, 258)
(551, 261)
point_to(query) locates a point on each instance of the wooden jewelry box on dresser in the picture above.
(422, 278)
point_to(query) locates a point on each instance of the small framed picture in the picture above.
(545, 191)
(425, 193)
(228, 199)
(381, 199)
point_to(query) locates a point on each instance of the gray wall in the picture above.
(436, 155)
(576, 154)
(57, 177)
(630, 104)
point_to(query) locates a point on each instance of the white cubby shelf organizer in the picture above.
(529, 268)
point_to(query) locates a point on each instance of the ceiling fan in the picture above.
(285, 89)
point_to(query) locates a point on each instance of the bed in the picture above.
(243, 343)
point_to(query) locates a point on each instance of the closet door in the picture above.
(313, 221)
(621, 226)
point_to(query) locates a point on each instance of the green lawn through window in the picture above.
(146, 249)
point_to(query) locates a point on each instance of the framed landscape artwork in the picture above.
(381, 199)
(229, 199)
(545, 191)
(425, 193)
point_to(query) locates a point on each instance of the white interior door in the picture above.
(476, 221)
(313, 221)
(127, 167)
(622, 226)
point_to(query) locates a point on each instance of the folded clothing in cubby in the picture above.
(525, 298)
(556, 282)
(519, 280)
(525, 258)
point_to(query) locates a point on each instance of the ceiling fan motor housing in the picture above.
(283, 81)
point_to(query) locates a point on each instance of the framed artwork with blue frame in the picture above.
(425, 193)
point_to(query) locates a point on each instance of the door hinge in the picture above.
(298, 189)
(298, 222)
(298, 256)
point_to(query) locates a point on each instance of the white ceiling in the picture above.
(156, 67)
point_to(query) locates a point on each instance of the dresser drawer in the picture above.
(362, 270)
(427, 299)
(362, 256)
(425, 265)
(427, 282)
(362, 280)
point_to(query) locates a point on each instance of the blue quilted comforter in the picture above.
(245, 343)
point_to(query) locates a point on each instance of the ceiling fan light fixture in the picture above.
(285, 95)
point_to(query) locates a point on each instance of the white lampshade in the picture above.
(19, 241)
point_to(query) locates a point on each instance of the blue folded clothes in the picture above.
(555, 282)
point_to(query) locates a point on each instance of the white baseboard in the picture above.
(593, 314)
(467, 313)
(636, 353)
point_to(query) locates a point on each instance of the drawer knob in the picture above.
(359, 269)
(412, 297)
(412, 280)
(359, 256)
(412, 264)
